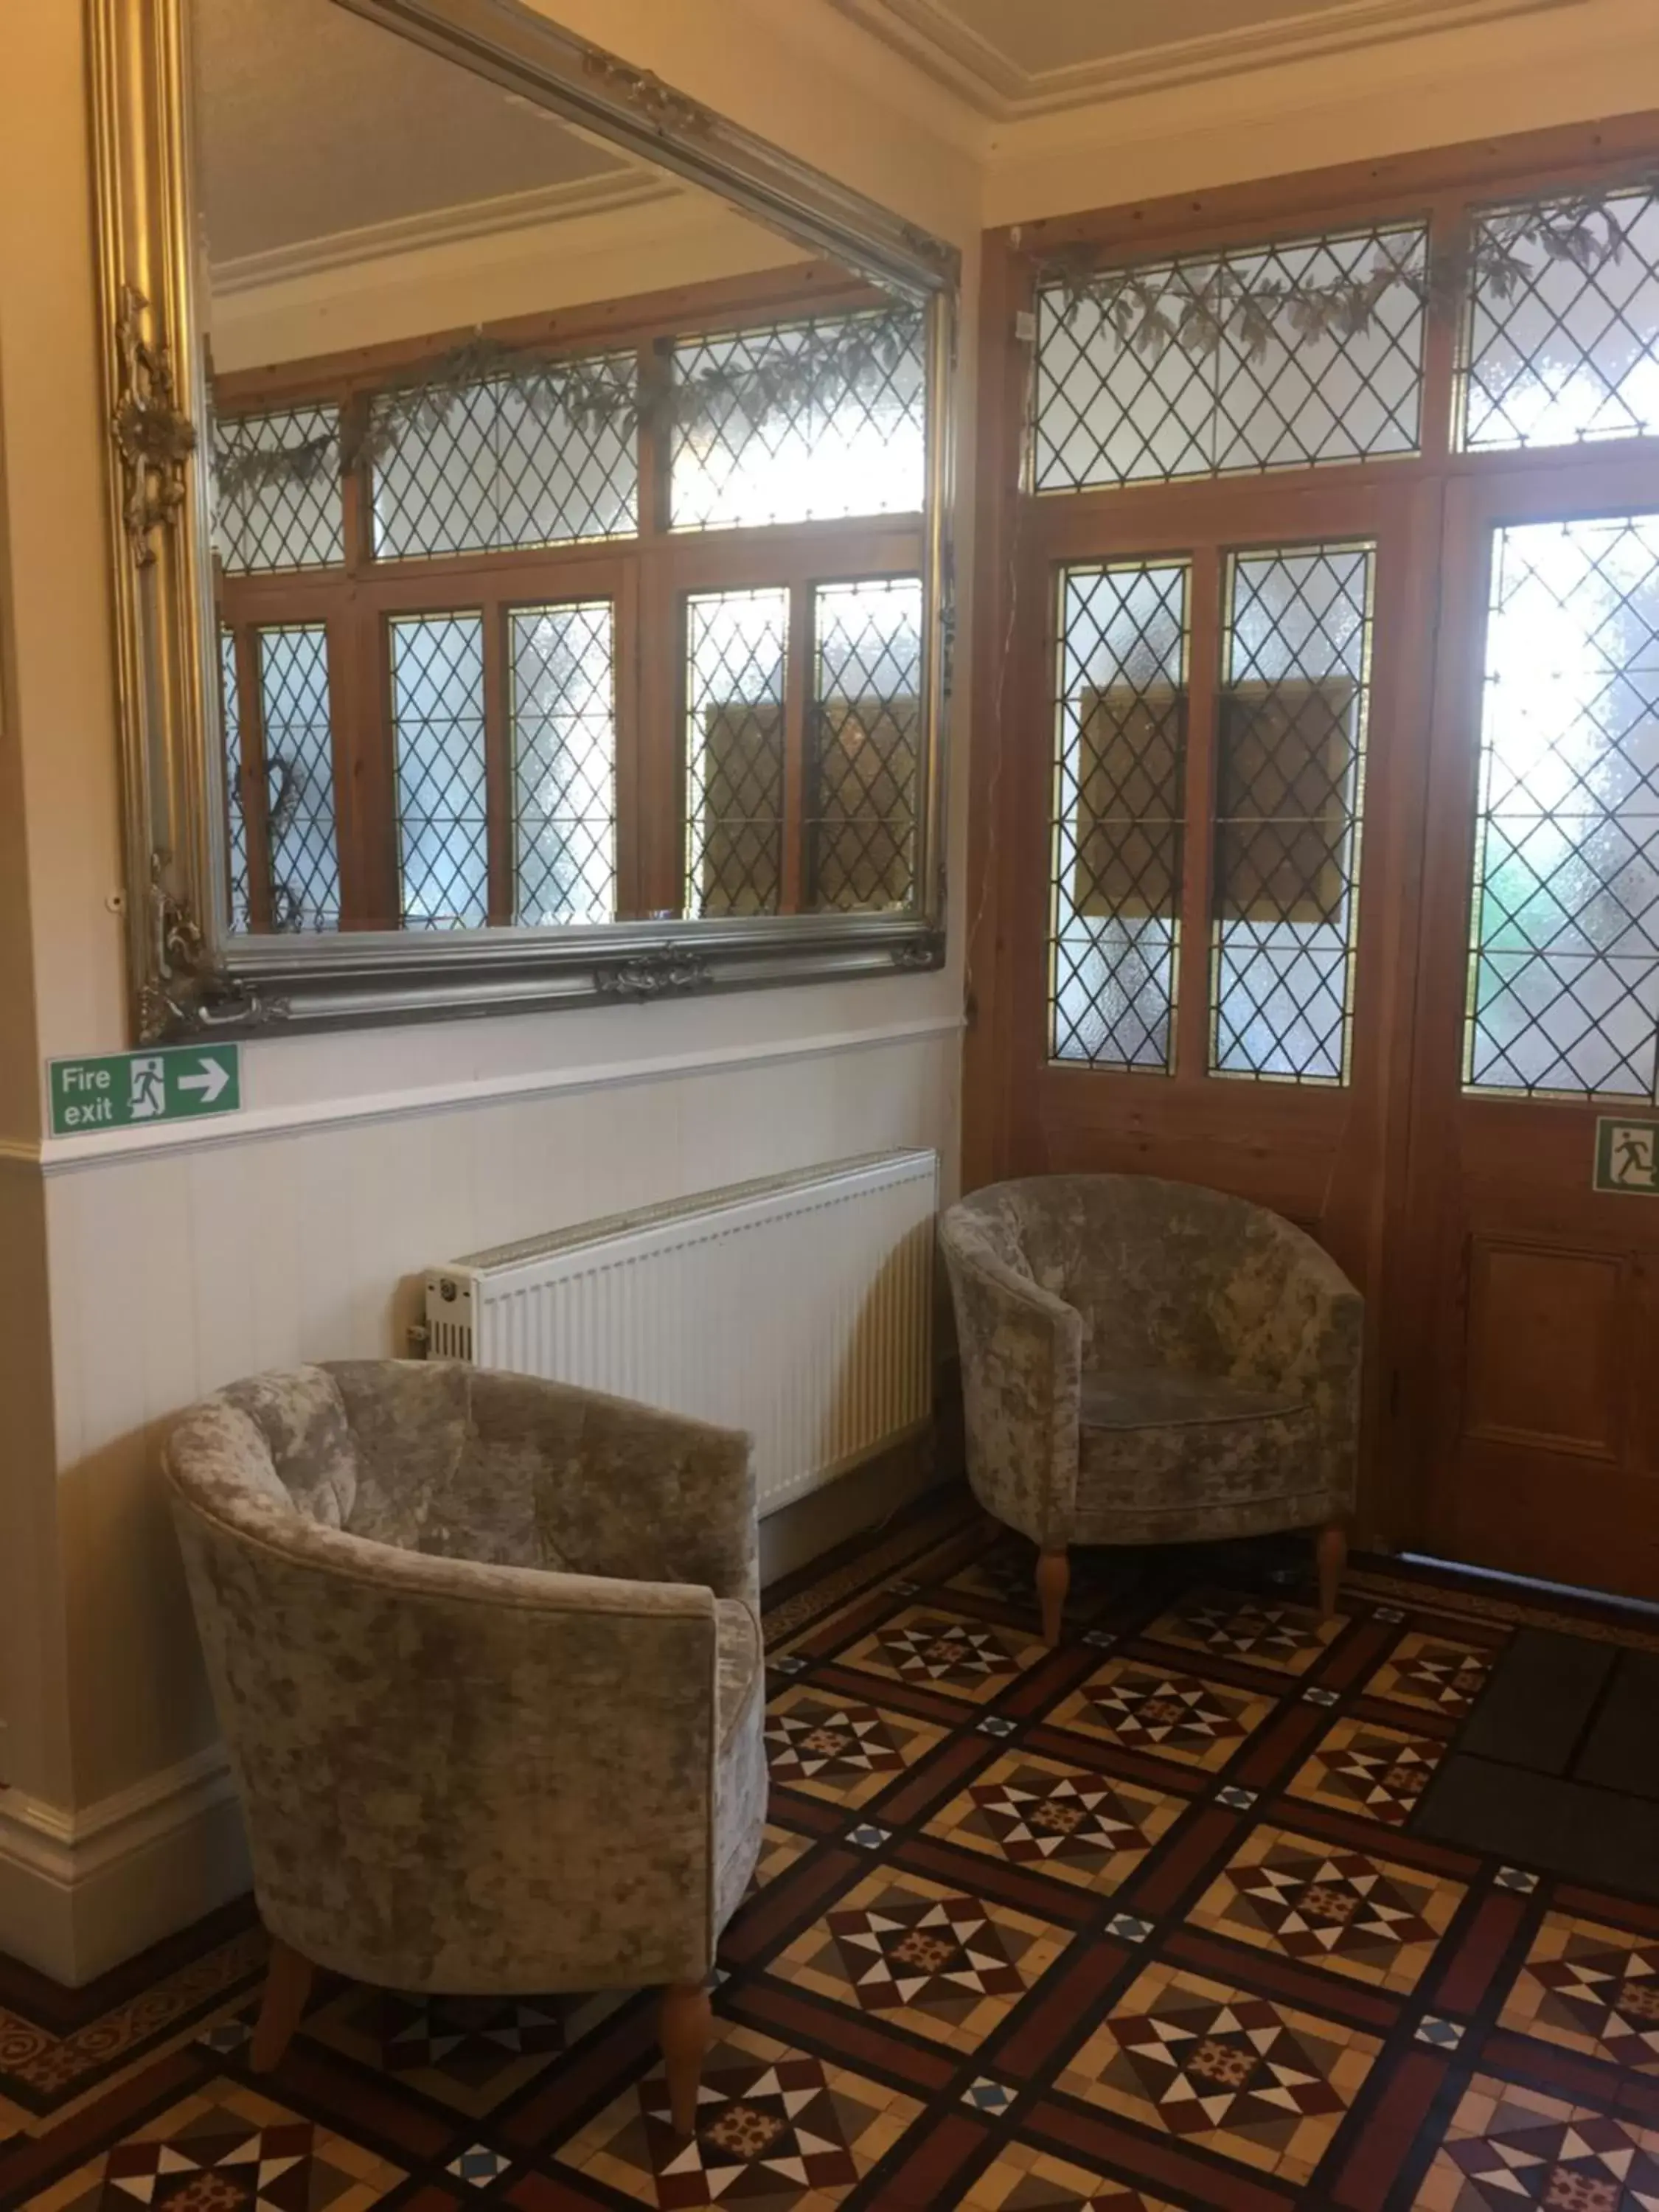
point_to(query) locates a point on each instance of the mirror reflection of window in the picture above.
(567, 523)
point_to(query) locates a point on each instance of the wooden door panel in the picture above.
(1546, 1355)
(1537, 1406)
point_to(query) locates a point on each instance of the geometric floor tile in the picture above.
(1022, 2179)
(1038, 1812)
(780, 1849)
(468, 2052)
(1508, 2149)
(1436, 1672)
(938, 1651)
(836, 1748)
(1591, 1988)
(227, 2150)
(1268, 1633)
(1171, 1716)
(917, 1954)
(1324, 1904)
(1248, 2077)
(1373, 1772)
(37, 2065)
(775, 2128)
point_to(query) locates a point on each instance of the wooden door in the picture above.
(1231, 720)
(1536, 1295)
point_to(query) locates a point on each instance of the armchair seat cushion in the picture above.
(1164, 1397)
(1164, 1456)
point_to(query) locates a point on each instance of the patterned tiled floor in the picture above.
(1134, 1926)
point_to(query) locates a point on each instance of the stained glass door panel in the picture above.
(1539, 1023)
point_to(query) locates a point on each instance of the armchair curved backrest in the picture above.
(463, 1634)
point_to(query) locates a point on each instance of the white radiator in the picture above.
(798, 1308)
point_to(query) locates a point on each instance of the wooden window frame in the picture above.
(647, 574)
(1023, 538)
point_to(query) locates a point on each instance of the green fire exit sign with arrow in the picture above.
(126, 1089)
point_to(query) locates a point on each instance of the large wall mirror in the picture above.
(533, 505)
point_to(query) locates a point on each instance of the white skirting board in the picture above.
(80, 1891)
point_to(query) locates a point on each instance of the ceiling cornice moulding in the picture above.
(929, 33)
(567, 201)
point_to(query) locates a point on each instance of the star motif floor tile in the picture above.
(468, 2052)
(938, 1651)
(775, 2129)
(1082, 1827)
(1373, 1772)
(1326, 1906)
(840, 1749)
(1591, 1988)
(1509, 2150)
(1021, 2179)
(1290, 1637)
(1245, 2076)
(1168, 1714)
(923, 1956)
(1435, 1672)
(228, 2150)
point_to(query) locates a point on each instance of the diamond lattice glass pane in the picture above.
(294, 700)
(735, 644)
(1564, 323)
(501, 465)
(1119, 721)
(866, 717)
(438, 724)
(1136, 383)
(230, 704)
(1289, 785)
(1564, 984)
(276, 497)
(564, 762)
(789, 424)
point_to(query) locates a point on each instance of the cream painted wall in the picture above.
(688, 238)
(1522, 73)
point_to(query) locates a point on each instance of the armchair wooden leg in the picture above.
(1054, 1579)
(287, 1987)
(685, 2027)
(1331, 1553)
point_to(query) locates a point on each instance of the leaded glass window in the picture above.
(1119, 813)
(866, 719)
(793, 422)
(510, 461)
(1563, 335)
(278, 502)
(1290, 356)
(736, 648)
(230, 709)
(299, 747)
(1289, 787)
(438, 723)
(1564, 986)
(564, 762)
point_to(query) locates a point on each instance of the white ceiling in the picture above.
(313, 123)
(1014, 57)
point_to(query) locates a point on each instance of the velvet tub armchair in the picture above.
(1150, 1362)
(486, 1653)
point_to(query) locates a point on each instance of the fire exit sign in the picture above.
(124, 1090)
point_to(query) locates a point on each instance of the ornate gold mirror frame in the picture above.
(188, 973)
